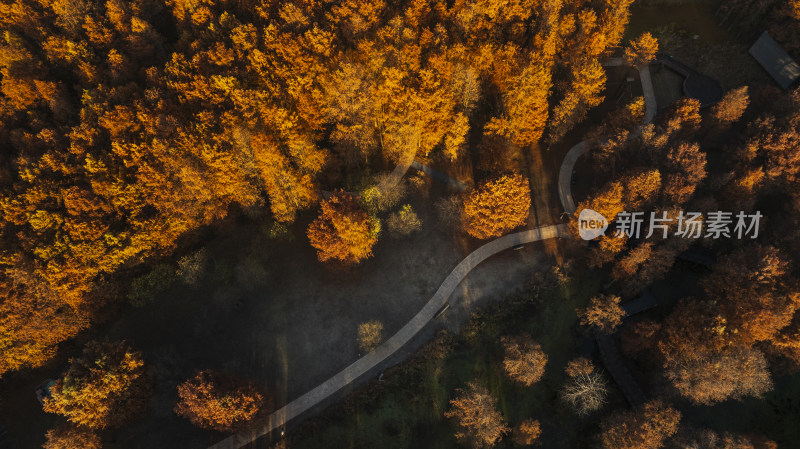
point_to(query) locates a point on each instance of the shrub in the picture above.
(403, 222)
(69, 437)
(192, 266)
(276, 230)
(448, 211)
(146, 287)
(370, 335)
(383, 196)
(250, 273)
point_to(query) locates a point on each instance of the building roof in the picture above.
(777, 62)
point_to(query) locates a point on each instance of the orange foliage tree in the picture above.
(106, 387)
(644, 428)
(474, 411)
(497, 206)
(524, 359)
(731, 106)
(527, 432)
(343, 231)
(710, 377)
(641, 51)
(604, 312)
(213, 401)
(69, 437)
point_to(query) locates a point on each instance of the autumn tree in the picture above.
(524, 360)
(694, 437)
(586, 389)
(604, 312)
(731, 106)
(641, 51)
(756, 297)
(70, 437)
(731, 373)
(640, 336)
(527, 432)
(644, 428)
(343, 231)
(608, 202)
(120, 141)
(497, 206)
(584, 93)
(212, 400)
(474, 410)
(526, 104)
(106, 387)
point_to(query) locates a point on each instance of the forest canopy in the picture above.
(127, 125)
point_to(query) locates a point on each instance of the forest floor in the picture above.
(406, 408)
(269, 310)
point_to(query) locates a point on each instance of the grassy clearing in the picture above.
(405, 410)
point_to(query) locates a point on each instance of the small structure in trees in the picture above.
(781, 67)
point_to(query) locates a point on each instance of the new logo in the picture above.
(591, 224)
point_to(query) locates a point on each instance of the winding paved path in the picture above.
(568, 164)
(361, 366)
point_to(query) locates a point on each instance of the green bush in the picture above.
(145, 288)
(275, 230)
(191, 267)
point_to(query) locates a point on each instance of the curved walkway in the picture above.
(361, 366)
(568, 164)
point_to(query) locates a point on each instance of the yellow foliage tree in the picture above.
(645, 428)
(69, 437)
(480, 423)
(106, 387)
(497, 206)
(343, 231)
(604, 312)
(641, 51)
(524, 359)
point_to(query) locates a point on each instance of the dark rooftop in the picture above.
(777, 62)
